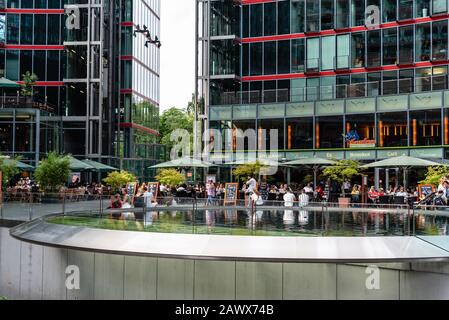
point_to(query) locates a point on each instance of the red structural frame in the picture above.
(141, 128)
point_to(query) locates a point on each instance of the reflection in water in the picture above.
(296, 221)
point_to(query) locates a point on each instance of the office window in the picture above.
(26, 3)
(298, 89)
(327, 14)
(327, 88)
(439, 6)
(406, 81)
(41, 4)
(342, 14)
(269, 91)
(53, 66)
(12, 28)
(298, 53)
(405, 9)
(297, 16)
(283, 17)
(12, 65)
(53, 29)
(269, 23)
(343, 51)
(390, 82)
(439, 40)
(358, 12)
(312, 16)
(327, 53)
(439, 79)
(390, 50)
(26, 25)
(267, 130)
(422, 43)
(245, 59)
(284, 56)
(358, 50)
(245, 22)
(312, 89)
(313, 54)
(256, 58)
(406, 45)
(389, 10)
(423, 79)
(374, 84)
(373, 48)
(270, 57)
(283, 90)
(256, 17)
(422, 8)
(40, 29)
(39, 64)
(26, 62)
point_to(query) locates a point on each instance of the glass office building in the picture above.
(97, 94)
(356, 79)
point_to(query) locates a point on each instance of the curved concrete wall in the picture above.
(30, 271)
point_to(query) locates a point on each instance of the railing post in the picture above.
(63, 203)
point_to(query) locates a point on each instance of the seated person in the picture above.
(373, 195)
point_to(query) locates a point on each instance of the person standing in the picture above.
(303, 199)
(289, 199)
(211, 192)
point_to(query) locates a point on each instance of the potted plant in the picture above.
(52, 173)
(29, 80)
(118, 179)
(340, 172)
(8, 169)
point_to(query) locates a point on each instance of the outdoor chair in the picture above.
(384, 200)
(399, 200)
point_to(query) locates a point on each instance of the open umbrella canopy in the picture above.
(20, 165)
(185, 162)
(78, 165)
(98, 166)
(265, 162)
(402, 162)
(311, 162)
(6, 83)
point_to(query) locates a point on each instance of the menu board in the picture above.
(425, 189)
(231, 193)
(131, 190)
(153, 187)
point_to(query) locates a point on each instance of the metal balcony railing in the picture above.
(338, 91)
(25, 102)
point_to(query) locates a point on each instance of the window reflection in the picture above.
(299, 133)
(329, 132)
(425, 127)
(393, 129)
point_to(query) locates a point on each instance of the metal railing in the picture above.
(25, 102)
(338, 91)
(241, 217)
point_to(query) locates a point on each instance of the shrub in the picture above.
(171, 177)
(117, 179)
(52, 173)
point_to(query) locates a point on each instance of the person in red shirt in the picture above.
(373, 195)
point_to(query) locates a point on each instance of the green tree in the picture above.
(171, 120)
(434, 175)
(9, 169)
(117, 179)
(191, 105)
(52, 172)
(171, 177)
(29, 80)
(248, 169)
(343, 170)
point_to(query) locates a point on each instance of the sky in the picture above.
(177, 53)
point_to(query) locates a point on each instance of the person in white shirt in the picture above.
(289, 198)
(252, 184)
(303, 199)
(308, 188)
(401, 193)
(148, 197)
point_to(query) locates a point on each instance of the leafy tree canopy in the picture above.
(171, 177)
(118, 179)
(434, 175)
(53, 172)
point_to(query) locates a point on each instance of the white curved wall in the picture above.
(34, 272)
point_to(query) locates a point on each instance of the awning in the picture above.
(98, 166)
(22, 166)
(78, 165)
(6, 83)
(185, 162)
